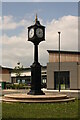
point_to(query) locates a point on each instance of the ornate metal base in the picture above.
(36, 79)
(35, 92)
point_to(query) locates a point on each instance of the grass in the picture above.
(67, 111)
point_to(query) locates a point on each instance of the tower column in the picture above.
(36, 53)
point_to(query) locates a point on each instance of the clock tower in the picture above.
(36, 34)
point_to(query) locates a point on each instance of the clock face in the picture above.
(31, 33)
(39, 32)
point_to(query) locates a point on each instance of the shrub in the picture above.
(17, 86)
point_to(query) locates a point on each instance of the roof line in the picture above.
(65, 52)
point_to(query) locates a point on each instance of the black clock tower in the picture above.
(36, 34)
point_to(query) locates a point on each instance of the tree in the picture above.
(18, 70)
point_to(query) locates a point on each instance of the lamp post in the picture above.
(59, 63)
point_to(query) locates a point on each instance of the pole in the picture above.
(59, 62)
(36, 53)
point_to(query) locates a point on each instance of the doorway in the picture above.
(64, 77)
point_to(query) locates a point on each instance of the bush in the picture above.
(17, 86)
(8, 86)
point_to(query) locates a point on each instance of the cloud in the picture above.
(10, 24)
(68, 26)
(17, 48)
(0, 22)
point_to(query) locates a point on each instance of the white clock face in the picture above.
(39, 32)
(31, 33)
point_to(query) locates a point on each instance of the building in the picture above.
(9, 76)
(69, 76)
(5, 76)
(25, 76)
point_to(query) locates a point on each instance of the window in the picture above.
(64, 78)
(23, 81)
(18, 81)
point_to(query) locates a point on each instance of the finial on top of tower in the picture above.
(36, 18)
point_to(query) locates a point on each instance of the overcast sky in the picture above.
(55, 16)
